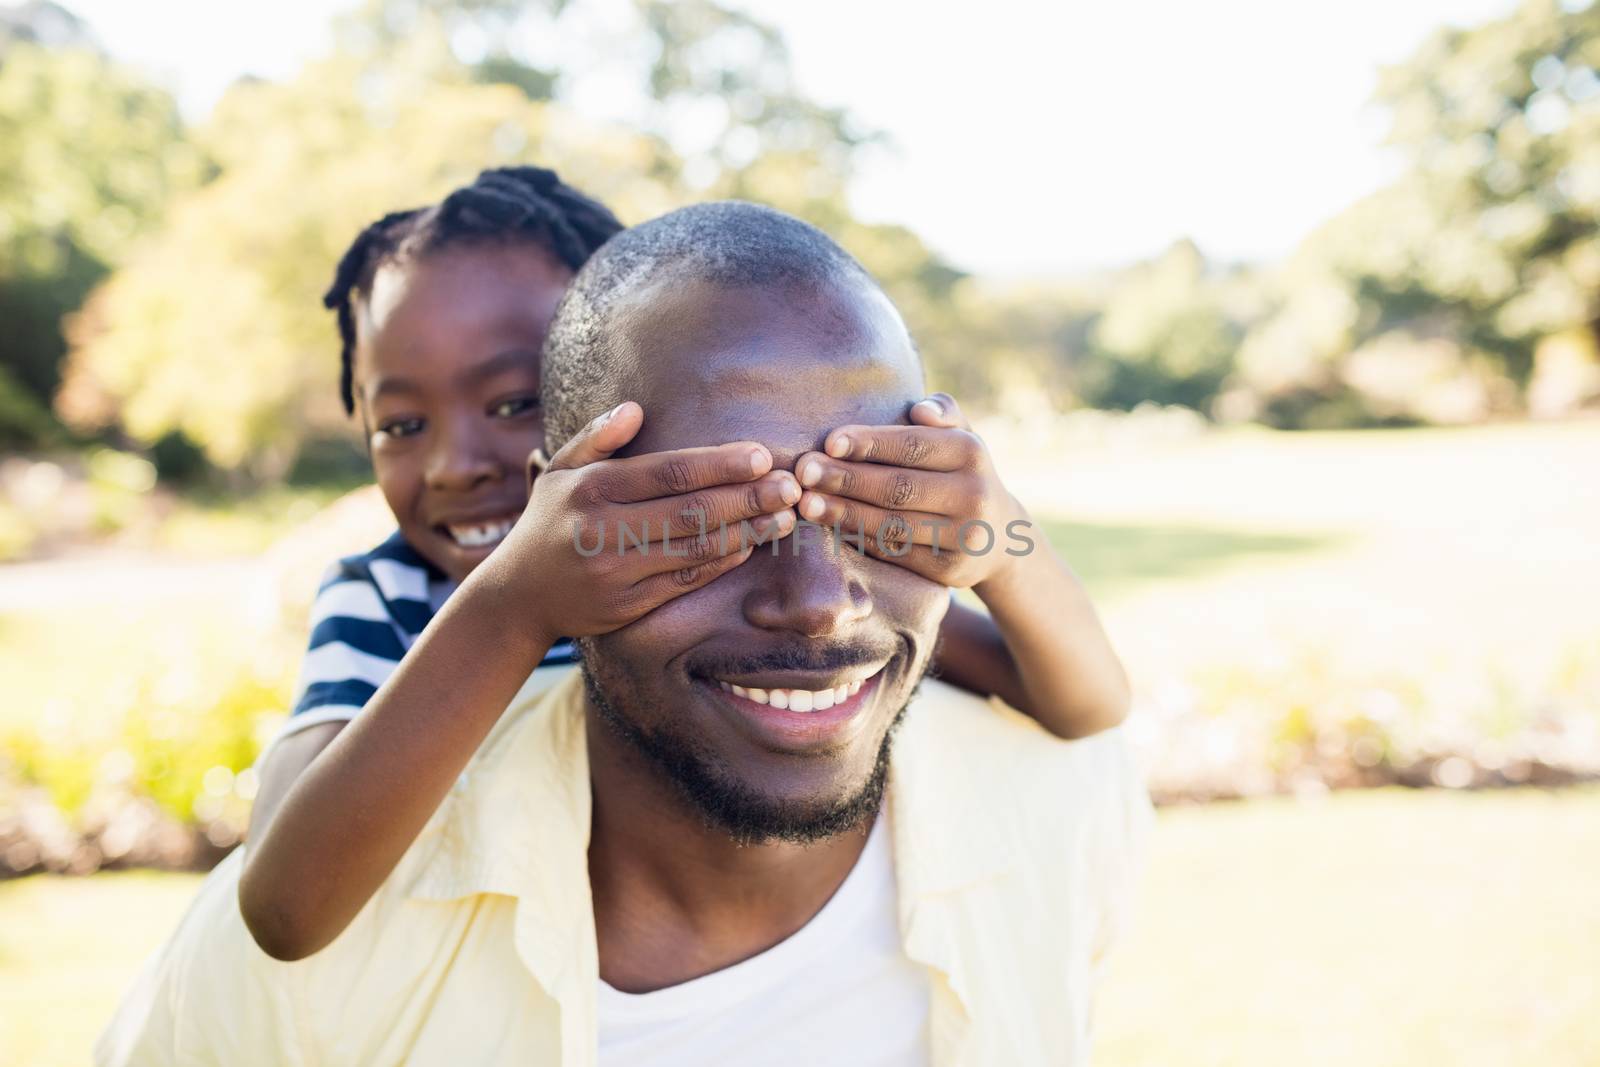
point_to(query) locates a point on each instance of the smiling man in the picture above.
(742, 833)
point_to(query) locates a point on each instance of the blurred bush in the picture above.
(85, 496)
(145, 757)
(1313, 723)
(128, 737)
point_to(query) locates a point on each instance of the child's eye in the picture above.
(401, 427)
(510, 409)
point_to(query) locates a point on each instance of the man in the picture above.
(658, 861)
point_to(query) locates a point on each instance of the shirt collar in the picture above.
(945, 840)
(518, 825)
(517, 822)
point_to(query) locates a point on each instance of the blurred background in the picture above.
(1283, 322)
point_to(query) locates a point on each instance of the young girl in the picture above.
(418, 645)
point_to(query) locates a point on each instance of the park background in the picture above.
(1332, 471)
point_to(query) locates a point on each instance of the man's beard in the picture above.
(725, 804)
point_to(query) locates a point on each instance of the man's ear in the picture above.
(538, 463)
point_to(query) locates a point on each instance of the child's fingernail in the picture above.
(810, 472)
(839, 447)
(813, 508)
(758, 461)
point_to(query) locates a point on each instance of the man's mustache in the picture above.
(804, 656)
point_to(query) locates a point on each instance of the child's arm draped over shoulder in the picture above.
(355, 808)
(927, 496)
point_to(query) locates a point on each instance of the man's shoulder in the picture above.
(525, 791)
(984, 740)
(208, 987)
(982, 770)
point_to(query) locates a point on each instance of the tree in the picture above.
(1502, 127)
(215, 328)
(1164, 336)
(1428, 299)
(81, 189)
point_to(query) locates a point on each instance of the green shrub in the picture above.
(170, 708)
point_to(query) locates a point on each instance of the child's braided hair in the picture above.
(501, 205)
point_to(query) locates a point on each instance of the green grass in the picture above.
(1380, 928)
(1405, 553)
(68, 949)
(1120, 557)
(1383, 928)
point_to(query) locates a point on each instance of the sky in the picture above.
(1029, 138)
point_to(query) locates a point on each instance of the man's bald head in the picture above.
(590, 359)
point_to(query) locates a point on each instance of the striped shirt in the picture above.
(369, 611)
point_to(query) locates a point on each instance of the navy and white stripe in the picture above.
(369, 611)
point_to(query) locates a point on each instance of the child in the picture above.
(442, 312)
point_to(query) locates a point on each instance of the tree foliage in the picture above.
(1426, 301)
(215, 330)
(79, 190)
(1450, 278)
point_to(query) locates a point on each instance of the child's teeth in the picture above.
(479, 534)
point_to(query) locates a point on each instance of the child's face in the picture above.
(447, 383)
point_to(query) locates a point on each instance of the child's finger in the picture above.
(940, 410)
(600, 438)
(723, 541)
(888, 487)
(939, 566)
(713, 509)
(888, 527)
(683, 470)
(926, 448)
(652, 591)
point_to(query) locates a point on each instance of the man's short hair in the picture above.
(730, 243)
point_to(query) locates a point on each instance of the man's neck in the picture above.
(675, 899)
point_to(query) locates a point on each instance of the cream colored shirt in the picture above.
(1015, 857)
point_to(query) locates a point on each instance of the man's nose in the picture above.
(810, 585)
(461, 459)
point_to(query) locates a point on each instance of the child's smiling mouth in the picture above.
(481, 534)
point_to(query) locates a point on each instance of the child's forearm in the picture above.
(1041, 649)
(344, 824)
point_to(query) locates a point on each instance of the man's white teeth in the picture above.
(479, 534)
(796, 699)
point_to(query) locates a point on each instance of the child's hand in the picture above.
(910, 491)
(701, 511)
